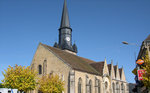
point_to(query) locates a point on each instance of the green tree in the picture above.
(51, 84)
(21, 78)
(1, 86)
(146, 67)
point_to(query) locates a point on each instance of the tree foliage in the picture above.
(1, 86)
(134, 71)
(21, 78)
(146, 67)
(51, 84)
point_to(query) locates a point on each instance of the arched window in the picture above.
(45, 67)
(122, 88)
(117, 88)
(80, 85)
(90, 86)
(40, 69)
(127, 87)
(106, 85)
(113, 86)
(97, 85)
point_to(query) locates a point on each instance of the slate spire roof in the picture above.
(65, 17)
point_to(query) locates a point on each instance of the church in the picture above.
(81, 75)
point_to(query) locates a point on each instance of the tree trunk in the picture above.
(21, 91)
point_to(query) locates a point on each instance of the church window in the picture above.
(45, 67)
(106, 85)
(97, 85)
(80, 85)
(113, 86)
(40, 69)
(62, 77)
(122, 88)
(117, 88)
(87, 84)
(90, 86)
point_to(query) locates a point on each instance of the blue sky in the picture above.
(99, 27)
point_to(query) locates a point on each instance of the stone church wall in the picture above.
(54, 65)
(85, 78)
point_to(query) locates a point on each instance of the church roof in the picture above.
(109, 68)
(115, 69)
(98, 66)
(74, 61)
(120, 72)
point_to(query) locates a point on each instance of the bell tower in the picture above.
(65, 32)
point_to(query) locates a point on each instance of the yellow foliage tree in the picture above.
(146, 67)
(21, 78)
(51, 84)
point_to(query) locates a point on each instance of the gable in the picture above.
(117, 72)
(111, 70)
(105, 69)
(122, 74)
(52, 61)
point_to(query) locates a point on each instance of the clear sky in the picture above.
(99, 27)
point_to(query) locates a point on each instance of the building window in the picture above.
(113, 86)
(90, 86)
(117, 88)
(127, 87)
(97, 85)
(62, 77)
(106, 85)
(122, 88)
(45, 67)
(80, 85)
(40, 69)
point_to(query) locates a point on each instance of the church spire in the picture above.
(65, 17)
(65, 32)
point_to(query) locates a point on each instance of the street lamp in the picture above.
(137, 66)
(126, 43)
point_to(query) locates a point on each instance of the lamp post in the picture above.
(137, 66)
(126, 43)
